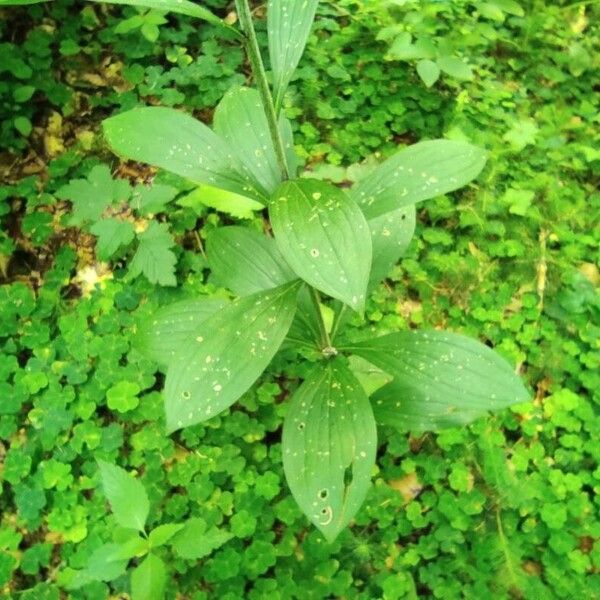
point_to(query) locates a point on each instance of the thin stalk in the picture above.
(325, 339)
(337, 321)
(260, 76)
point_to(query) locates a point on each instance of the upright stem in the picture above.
(260, 76)
(326, 346)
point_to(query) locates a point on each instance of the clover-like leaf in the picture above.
(440, 379)
(324, 237)
(329, 445)
(417, 173)
(230, 352)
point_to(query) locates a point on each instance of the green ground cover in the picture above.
(504, 508)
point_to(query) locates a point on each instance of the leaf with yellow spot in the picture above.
(229, 353)
(329, 446)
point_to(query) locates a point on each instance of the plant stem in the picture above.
(325, 339)
(337, 320)
(260, 76)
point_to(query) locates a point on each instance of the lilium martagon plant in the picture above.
(326, 242)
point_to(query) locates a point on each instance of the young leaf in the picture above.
(112, 234)
(194, 541)
(173, 327)
(134, 546)
(183, 7)
(170, 139)
(419, 172)
(428, 71)
(152, 199)
(329, 445)
(163, 533)
(149, 579)
(288, 24)
(223, 201)
(230, 352)
(324, 237)
(154, 257)
(391, 234)
(455, 67)
(240, 119)
(246, 261)
(440, 379)
(126, 495)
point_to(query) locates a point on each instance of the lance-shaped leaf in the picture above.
(230, 352)
(240, 119)
(246, 261)
(173, 326)
(391, 234)
(170, 139)
(182, 7)
(329, 445)
(324, 237)
(419, 172)
(288, 23)
(440, 379)
(126, 495)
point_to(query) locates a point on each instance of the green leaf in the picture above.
(246, 261)
(428, 71)
(240, 120)
(154, 257)
(112, 234)
(148, 581)
(440, 379)
(417, 173)
(126, 495)
(455, 68)
(391, 234)
(174, 141)
(230, 352)
(182, 7)
(194, 541)
(329, 445)
(288, 24)
(103, 564)
(152, 199)
(173, 326)
(323, 236)
(91, 196)
(133, 547)
(223, 201)
(20, 2)
(163, 533)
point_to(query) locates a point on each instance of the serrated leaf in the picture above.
(194, 541)
(173, 326)
(103, 564)
(163, 533)
(240, 119)
(440, 380)
(92, 195)
(323, 236)
(126, 495)
(135, 546)
(152, 199)
(428, 71)
(154, 257)
(182, 7)
(391, 235)
(229, 354)
(288, 23)
(246, 261)
(417, 173)
(223, 201)
(329, 445)
(148, 581)
(112, 234)
(174, 141)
